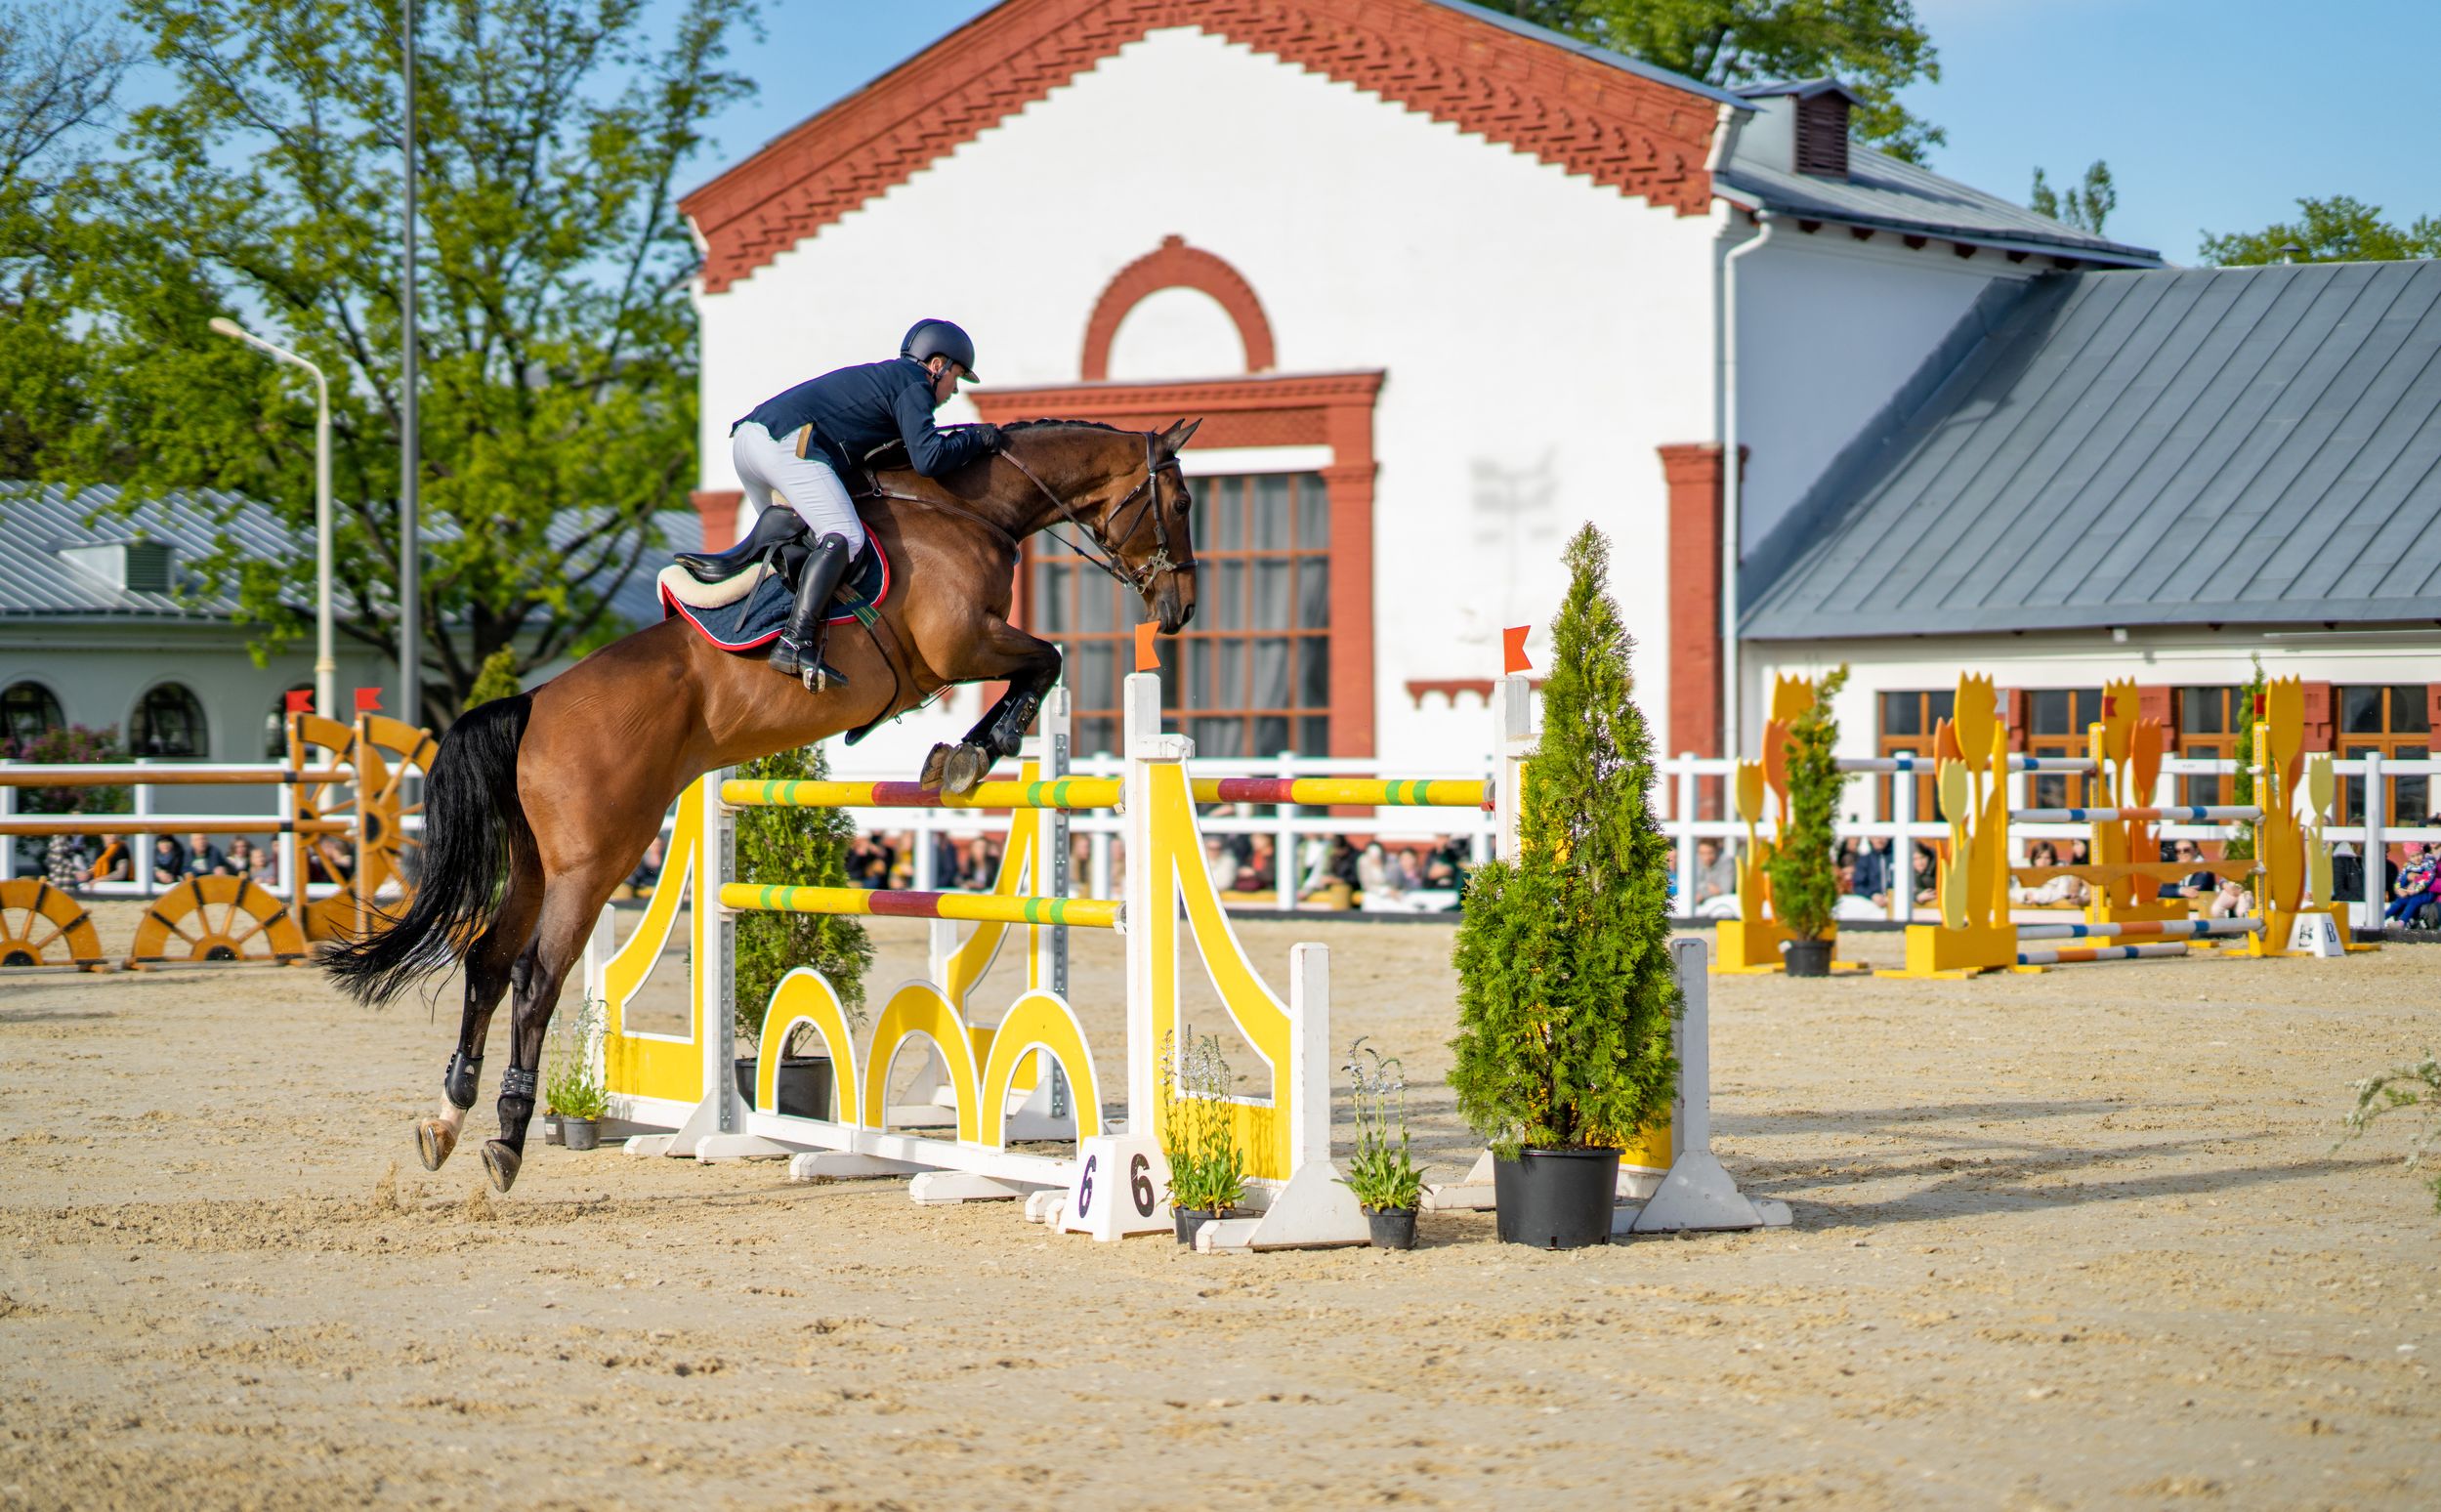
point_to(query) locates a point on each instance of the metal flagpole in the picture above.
(410, 641)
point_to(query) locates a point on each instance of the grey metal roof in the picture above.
(2258, 446)
(1884, 193)
(38, 520)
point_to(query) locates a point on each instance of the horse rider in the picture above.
(799, 443)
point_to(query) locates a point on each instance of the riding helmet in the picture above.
(929, 339)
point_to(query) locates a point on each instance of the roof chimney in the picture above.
(1802, 126)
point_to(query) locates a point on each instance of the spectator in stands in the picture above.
(169, 859)
(1223, 866)
(240, 861)
(1926, 876)
(204, 858)
(267, 863)
(1376, 875)
(1410, 869)
(1257, 875)
(2194, 884)
(113, 864)
(1871, 878)
(1715, 874)
(648, 873)
(329, 860)
(2415, 890)
(2052, 891)
(2230, 901)
(64, 862)
(868, 862)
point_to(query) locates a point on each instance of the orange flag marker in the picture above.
(1148, 659)
(1513, 649)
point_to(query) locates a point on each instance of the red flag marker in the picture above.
(368, 700)
(300, 700)
(1513, 649)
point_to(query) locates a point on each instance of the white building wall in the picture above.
(2153, 658)
(1829, 330)
(1542, 336)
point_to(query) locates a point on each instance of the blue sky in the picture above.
(2214, 115)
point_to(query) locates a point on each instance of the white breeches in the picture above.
(771, 469)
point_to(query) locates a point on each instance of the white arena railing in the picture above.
(1678, 782)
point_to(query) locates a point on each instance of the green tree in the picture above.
(2337, 230)
(556, 337)
(792, 847)
(1877, 48)
(1804, 864)
(1566, 994)
(496, 680)
(60, 70)
(2084, 206)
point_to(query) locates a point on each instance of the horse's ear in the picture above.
(1174, 439)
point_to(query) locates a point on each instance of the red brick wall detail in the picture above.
(1335, 409)
(1694, 474)
(718, 509)
(1636, 135)
(1174, 265)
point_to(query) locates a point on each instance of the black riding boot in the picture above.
(798, 652)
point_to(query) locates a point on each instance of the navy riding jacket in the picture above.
(858, 408)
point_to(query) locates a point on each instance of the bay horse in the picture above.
(537, 807)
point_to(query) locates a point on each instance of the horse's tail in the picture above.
(473, 829)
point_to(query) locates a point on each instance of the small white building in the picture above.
(1442, 286)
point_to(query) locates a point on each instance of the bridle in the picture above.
(1111, 536)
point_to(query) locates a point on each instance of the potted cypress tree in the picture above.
(1804, 862)
(1566, 995)
(801, 847)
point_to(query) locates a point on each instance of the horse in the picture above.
(537, 807)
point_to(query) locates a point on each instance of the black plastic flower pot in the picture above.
(581, 1133)
(551, 1134)
(805, 1084)
(1556, 1198)
(1808, 957)
(1188, 1220)
(1394, 1227)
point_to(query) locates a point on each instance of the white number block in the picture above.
(2314, 934)
(1119, 1189)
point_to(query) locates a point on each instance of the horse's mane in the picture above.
(1084, 424)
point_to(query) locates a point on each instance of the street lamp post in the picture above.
(325, 665)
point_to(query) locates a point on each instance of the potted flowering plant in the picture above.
(1566, 992)
(1383, 1173)
(573, 1094)
(1199, 1135)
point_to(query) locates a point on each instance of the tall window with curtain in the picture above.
(2394, 720)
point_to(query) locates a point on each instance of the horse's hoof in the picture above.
(931, 776)
(964, 767)
(502, 1162)
(434, 1140)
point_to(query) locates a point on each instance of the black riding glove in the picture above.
(989, 434)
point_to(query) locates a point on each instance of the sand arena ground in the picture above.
(2078, 1239)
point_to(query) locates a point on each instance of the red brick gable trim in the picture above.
(1625, 132)
(1174, 265)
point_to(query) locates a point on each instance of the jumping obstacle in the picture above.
(337, 780)
(1753, 943)
(957, 1139)
(2295, 914)
(988, 1087)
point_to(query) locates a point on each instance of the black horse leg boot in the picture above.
(799, 651)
